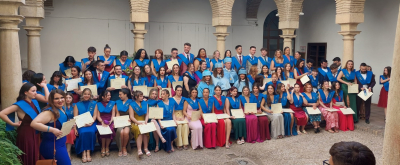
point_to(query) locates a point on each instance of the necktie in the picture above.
(188, 57)
(98, 77)
(240, 60)
(265, 59)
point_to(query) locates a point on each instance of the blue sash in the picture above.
(283, 100)
(149, 81)
(235, 63)
(234, 103)
(298, 102)
(158, 65)
(172, 79)
(111, 59)
(289, 60)
(215, 62)
(125, 65)
(285, 60)
(323, 72)
(324, 98)
(69, 111)
(306, 70)
(63, 117)
(140, 110)
(190, 75)
(63, 68)
(142, 63)
(250, 78)
(103, 80)
(152, 103)
(331, 78)
(349, 76)
(263, 62)
(22, 104)
(199, 74)
(123, 107)
(194, 104)
(269, 76)
(168, 110)
(313, 99)
(219, 106)
(162, 83)
(386, 84)
(84, 60)
(206, 108)
(179, 106)
(137, 83)
(257, 99)
(341, 97)
(361, 79)
(314, 81)
(291, 75)
(82, 109)
(207, 61)
(252, 61)
(185, 60)
(106, 109)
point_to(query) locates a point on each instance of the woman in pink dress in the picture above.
(191, 104)
(325, 103)
(296, 104)
(252, 134)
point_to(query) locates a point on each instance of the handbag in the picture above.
(49, 161)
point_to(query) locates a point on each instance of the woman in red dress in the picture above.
(296, 104)
(384, 79)
(224, 126)
(346, 122)
(299, 73)
(210, 129)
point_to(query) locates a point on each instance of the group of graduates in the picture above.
(215, 85)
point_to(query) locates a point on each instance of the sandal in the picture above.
(298, 132)
(103, 154)
(330, 131)
(242, 141)
(84, 160)
(304, 131)
(239, 142)
(125, 154)
(140, 153)
(108, 153)
(120, 153)
(157, 149)
(185, 147)
(227, 146)
(147, 152)
(89, 159)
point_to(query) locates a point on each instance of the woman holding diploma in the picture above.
(105, 110)
(263, 123)
(56, 81)
(239, 124)
(348, 77)
(139, 116)
(108, 59)
(296, 104)
(68, 63)
(75, 72)
(277, 124)
(210, 129)
(141, 59)
(69, 111)
(384, 79)
(299, 73)
(136, 78)
(44, 123)
(282, 92)
(287, 72)
(198, 75)
(312, 101)
(325, 103)
(123, 61)
(123, 134)
(182, 130)
(192, 104)
(346, 122)
(202, 56)
(169, 133)
(224, 126)
(252, 134)
(155, 136)
(189, 80)
(87, 134)
(157, 62)
(87, 80)
(27, 109)
(174, 77)
(148, 77)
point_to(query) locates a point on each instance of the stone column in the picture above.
(33, 12)
(391, 147)
(10, 63)
(139, 18)
(288, 35)
(349, 13)
(221, 33)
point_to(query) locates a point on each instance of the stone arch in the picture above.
(252, 7)
(221, 12)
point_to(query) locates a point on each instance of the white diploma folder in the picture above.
(365, 94)
(103, 130)
(66, 128)
(146, 128)
(73, 84)
(85, 118)
(121, 121)
(313, 111)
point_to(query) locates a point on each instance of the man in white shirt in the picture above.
(251, 59)
(100, 76)
(117, 75)
(238, 61)
(263, 60)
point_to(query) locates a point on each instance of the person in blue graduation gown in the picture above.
(312, 101)
(44, 123)
(238, 60)
(333, 74)
(88, 63)
(206, 82)
(56, 81)
(309, 66)
(26, 77)
(100, 76)
(314, 79)
(148, 76)
(277, 120)
(118, 75)
(229, 72)
(123, 134)
(297, 57)
(202, 56)
(274, 82)
(227, 54)
(278, 60)
(384, 80)
(67, 64)
(323, 72)
(184, 58)
(87, 80)
(157, 62)
(264, 60)
(141, 59)
(69, 111)
(162, 80)
(253, 71)
(42, 89)
(174, 77)
(169, 133)
(242, 81)
(76, 74)
(139, 116)
(182, 130)
(136, 78)
(123, 61)
(198, 74)
(265, 72)
(286, 74)
(155, 136)
(216, 59)
(108, 59)
(288, 118)
(366, 82)
(288, 57)
(218, 78)
(86, 135)
(251, 59)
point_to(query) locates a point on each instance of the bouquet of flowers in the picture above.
(128, 70)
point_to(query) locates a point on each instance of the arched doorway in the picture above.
(271, 39)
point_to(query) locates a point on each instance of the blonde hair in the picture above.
(253, 70)
(215, 52)
(278, 58)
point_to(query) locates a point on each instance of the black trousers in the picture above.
(367, 106)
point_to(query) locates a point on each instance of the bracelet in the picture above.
(48, 128)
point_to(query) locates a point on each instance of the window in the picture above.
(317, 52)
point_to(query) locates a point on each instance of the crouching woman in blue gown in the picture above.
(86, 135)
(169, 133)
(44, 122)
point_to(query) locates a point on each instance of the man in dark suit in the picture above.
(323, 72)
(366, 82)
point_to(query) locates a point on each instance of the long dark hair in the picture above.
(54, 110)
(78, 69)
(298, 64)
(389, 69)
(37, 79)
(198, 54)
(139, 52)
(229, 52)
(123, 53)
(69, 59)
(103, 94)
(86, 81)
(159, 71)
(28, 75)
(269, 101)
(337, 91)
(191, 90)
(56, 74)
(245, 78)
(126, 92)
(26, 87)
(230, 92)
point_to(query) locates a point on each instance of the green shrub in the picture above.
(8, 151)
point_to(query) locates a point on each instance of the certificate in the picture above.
(276, 108)
(104, 130)
(146, 128)
(304, 79)
(68, 72)
(285, 82)
(347, 111)
(237, 113)
(267, 80)
(353, 88)
(73, 84)
(169, 90)
(340, 103)
(176, 83)
(121, 121)
(178, 114)
(332, 109)
(66, 128)
(171, 63)
(292, 82)
(182, 122)
(156, 113)
(117, 83)
(313, 111)
(223, 116)
(210, 118)
(143, 89)
(250, 107)
(168, 123)
(365, 94)
(287, 110)
(92, 88)
(148, 91)
(261, 114)
(85, 118)
(195, 115)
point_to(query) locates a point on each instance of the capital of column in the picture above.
(10, 22)
(288, 34)
(349, 35)
(139, 30)
(33, 30)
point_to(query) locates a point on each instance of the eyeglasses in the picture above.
(325, 162)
